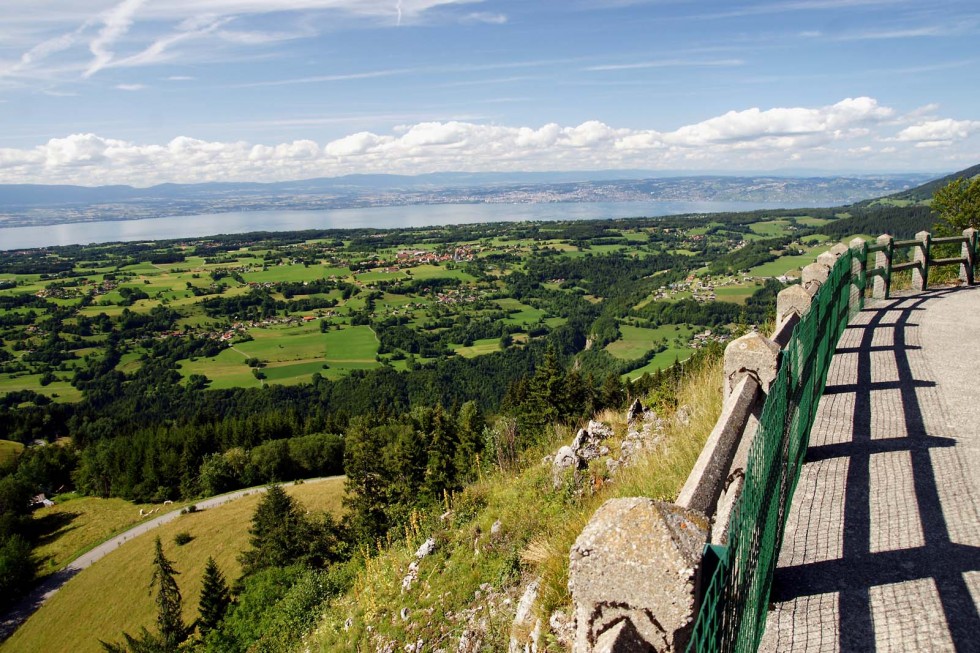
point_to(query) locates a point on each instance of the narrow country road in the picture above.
(50, 586)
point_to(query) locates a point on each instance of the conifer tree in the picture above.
(214, 598)
(170, 624)
(170, 621)
(280, 533)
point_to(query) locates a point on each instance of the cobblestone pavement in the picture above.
(882, 546)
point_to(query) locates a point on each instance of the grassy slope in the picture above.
(9, 450)
(538, 525)
(75, 526)
(112, 596)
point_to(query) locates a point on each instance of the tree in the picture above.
(171, 630)
(214, 598)
(280, 533)
(958, 206)
(170, 621)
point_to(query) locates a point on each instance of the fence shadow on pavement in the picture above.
(937, 558)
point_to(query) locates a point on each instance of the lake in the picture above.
(196, 226)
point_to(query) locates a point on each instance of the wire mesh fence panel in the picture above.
(733, 606)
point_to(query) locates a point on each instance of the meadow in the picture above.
(113, 595)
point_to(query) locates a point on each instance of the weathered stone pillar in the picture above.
(632, 576)
(883, 261)
(752, 354)
(791, 300)
(920, 273)
(969, 252)
(859, 265)
(814, 276)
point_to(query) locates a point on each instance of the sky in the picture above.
(141, 92)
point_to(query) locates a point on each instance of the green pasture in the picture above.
(735, 294)
(810, 221)
(286, 273)
(478, 348)
(662, 360)
(60, 390)
(9, 450)
(789, 263)
(523, 314)
(636, 341)
(356, 344)
(770, 228)
(439, 272)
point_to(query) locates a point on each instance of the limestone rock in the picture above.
(522, 636)
(635, 561)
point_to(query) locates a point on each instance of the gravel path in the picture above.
(882, 546)
(50, 586)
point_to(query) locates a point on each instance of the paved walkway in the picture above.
(49, 586)
(882, 546)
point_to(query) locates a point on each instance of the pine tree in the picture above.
(280, 533)
(170, 625)
(440, 471)
(170, 621)
(214, 598)
(470, 424)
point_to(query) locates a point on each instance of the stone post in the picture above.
(920, 273)
(814, 276)
(632, 575)
(859, 266)
(790, 300)
(752, 354)
(883, 262)
(968, 252)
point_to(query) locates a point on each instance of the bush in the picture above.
(182, 538)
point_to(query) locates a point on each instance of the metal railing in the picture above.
(733, 608)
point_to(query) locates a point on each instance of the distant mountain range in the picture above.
(30, 205)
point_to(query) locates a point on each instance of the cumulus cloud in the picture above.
(934, 133)
(851, 132)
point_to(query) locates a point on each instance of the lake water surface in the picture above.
(195, 226)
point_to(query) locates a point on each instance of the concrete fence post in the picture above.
(969, 253)
(859, 266)
(752, 354)
(814, 276)
(920, 273)
(883, 261)
(791, 300)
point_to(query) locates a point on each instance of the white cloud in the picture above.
(485, 17)
(130, 87)
(115, 23)
(935, 133)
(141, 32)
(850, 133)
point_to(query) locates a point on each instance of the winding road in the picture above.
(50, 585)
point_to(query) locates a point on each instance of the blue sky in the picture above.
(145, 91)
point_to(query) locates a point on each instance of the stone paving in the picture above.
(882, 546)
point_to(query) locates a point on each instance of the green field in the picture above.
(112, 595)
(660, 361)
(291, 354)
(524, 314)
(736, 294)
(786, 264)
(478, 348)
(9, 450)
(770, 228)
(637, 341)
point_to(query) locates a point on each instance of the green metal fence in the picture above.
(733, 607)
